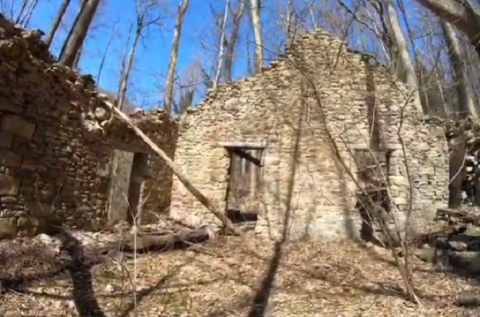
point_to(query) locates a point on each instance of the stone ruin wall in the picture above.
(54, 167)
(273, 106)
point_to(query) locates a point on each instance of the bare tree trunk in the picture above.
(73, 26)
(230, 42)
(222, 47)
(104, 57)
(25, 13)
(168, 93)
(250, 66)
(26, 19)
(79, 32)
(78, 57)
(124, 81)
(257, 32)
(460, 14)
(418, 63)
(56, 22)
(405, 68)
(464, 91)
(23, 6)
(312, 14)
(290, 24)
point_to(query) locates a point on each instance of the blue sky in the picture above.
(152, 54)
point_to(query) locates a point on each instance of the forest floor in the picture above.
(226, 277)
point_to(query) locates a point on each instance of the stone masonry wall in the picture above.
(56, 137)
(315, 101)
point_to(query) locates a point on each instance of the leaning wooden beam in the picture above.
(193, 190)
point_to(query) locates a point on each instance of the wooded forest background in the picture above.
(430, 45)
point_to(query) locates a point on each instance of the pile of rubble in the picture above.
(457, 244)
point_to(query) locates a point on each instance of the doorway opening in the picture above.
(244, 184)
(373, 201)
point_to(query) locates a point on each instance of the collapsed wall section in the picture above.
(56, 138)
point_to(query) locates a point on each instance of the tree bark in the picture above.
(168, 94)
(464, 91)
(257, 33)
(78, 57)
(405, 69)
(79, 32)
(56, 22)
(72, 28)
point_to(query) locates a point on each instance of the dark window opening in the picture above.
(373, 202)
(244, 184)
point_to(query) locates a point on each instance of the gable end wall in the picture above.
(316, 96)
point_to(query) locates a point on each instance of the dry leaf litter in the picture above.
(225, 277)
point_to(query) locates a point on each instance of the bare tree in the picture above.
(78, 32)
(460, 14)
(404, 68)
(25, 13)
(464, 91)
(257, 33)
(188, 80)
(312, 14)
(104, 57)
(168, 93)
(56, 22)
(222, 47)
(237, 13)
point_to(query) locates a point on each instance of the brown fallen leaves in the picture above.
(227, 278)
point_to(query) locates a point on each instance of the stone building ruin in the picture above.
(264, 148)
(269, 141)
(56, 138)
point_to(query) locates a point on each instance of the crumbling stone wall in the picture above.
(56, 137)
(315, 102)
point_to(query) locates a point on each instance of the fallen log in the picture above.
(458, 216)
(157, 242)
(191, 188)
(144, 243)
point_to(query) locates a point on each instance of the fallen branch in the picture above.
(191, 188)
